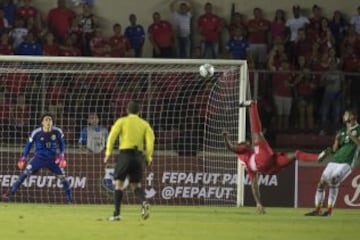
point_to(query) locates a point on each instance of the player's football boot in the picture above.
(145, 210)
(326, 214)
(114, 218)
(325, 155)
(246, 103)
(313, 213)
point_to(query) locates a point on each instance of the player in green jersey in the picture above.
(343, 157)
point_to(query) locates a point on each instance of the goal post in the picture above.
(188, 113)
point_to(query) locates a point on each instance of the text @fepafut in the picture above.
(207, 185)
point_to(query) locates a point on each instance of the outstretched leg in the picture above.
(19, 181)
(255, 123)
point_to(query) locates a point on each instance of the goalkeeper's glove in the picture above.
(21, 163)
(60, 160)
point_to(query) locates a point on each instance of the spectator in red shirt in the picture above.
(282, 87)
(258, 29)
(351, 40)
(351, 62)
(324, 36)
(209, 26)
(99, 45)
(302, 44)
(119, 44)
(315, 20)
(50, 48)
(59, 20)
(304, 87)
(161, 36)
(27, 11)
(313, 58)
(275, 55)
(68, 49)
(5, 46)
(278, 27)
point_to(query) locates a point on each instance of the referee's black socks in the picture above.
(118, 194)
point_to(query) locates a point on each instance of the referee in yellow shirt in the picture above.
(136, 139)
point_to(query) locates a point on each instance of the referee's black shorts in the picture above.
(130, 163)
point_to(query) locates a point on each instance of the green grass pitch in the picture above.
(88, 222)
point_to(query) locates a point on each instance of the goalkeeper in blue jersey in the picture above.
(47, 138)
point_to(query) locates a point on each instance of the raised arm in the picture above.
(228, 144)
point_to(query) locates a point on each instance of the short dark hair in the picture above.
(133, 107)
(46, 115)
(116, 25)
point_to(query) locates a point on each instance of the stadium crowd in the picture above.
(307, 66)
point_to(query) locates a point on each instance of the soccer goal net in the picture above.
(86, 95)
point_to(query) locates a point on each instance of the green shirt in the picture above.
(133, 132)
(348, 150)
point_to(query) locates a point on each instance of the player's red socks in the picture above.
(307, 157)
(255, 122)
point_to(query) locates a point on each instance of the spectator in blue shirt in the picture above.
(338, 26)
(238, 46)
(29, 46)
(136, 35)
(9, 9)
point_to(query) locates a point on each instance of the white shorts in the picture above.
(259, 52)
(283, 105)
(339, 171)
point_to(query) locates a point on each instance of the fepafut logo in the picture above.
(354, 200)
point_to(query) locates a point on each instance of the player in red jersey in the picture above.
(259, 157)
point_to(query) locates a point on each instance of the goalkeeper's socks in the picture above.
(18, 183)
(118, 194)
(67, 190)
(140, 195)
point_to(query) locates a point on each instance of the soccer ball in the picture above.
(206, 70)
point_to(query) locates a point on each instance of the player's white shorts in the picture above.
(339, 171)
(283, 105)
